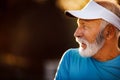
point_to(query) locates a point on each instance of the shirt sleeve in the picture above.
(63, 68)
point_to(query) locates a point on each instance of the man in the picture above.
(98, 57)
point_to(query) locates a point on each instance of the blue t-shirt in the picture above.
(74, 67)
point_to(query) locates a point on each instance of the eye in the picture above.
(86, 27)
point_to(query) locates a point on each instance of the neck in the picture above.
(107, 52)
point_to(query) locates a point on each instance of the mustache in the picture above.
(81, 40)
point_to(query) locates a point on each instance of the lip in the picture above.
(83, 45)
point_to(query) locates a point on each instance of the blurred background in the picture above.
(34, 34)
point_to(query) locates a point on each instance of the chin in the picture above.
(86, 52)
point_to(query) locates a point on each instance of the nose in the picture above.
(79, 32)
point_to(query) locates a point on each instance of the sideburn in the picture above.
(100, 37)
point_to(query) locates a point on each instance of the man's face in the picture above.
(89, 36)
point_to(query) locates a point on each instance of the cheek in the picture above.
(91, 36)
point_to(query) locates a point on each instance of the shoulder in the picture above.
(65, 63)
(71, 53)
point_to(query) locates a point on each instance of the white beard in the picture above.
(91, 49)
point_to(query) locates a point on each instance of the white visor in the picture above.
(95, 11)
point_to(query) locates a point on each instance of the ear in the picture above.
(109, 32)
(119, 41)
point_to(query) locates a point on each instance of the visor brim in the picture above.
(95, 11)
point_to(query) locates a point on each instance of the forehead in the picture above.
(91, 24)
(89, 21)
